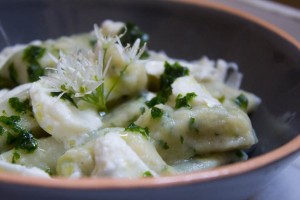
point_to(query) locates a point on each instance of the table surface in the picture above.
(286, 186)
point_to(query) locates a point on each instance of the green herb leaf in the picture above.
(21, 138)
(10, 138)
(35, 71)
(33, 53)
(181, 139)
(135, 128)
(26, 141)
(1, 130)
(166, 79)
(163, 145)
(16, 156)
(241, 101)
(19, 106)
(13, 74)
(221, 99)
(239, 154)
(156, 100)
(184, 101)
(147, 174)
(156, 112)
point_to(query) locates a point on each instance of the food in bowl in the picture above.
(101, 104)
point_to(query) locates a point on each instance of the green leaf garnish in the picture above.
(156, 112)
(19, 106)
(33, 53)
(147, 174)
(171, 73)
(184, 101)
(13, 74)
(135, 128)
(241, 101)
(17, 135)
(163, 145)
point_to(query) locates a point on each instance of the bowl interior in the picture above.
(270, 64)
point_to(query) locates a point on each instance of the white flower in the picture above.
(131, 54)
(79, 73)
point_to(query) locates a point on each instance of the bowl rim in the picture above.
(221, 172)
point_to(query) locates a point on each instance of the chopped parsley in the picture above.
(16, 156)
(26, 141)
(20, 106)
(147, 174)
(34, 71)
(192, 125)
(171, 73)
(159, 99)
(13, 74)
(241, 101)
(156, 112)
(10, 138)
(135, 128)
(163, 145)
(181, 139)
(17, 136)
(31, 55)
(1, 130)
(221, 99)
(184, 101)
(239, 154)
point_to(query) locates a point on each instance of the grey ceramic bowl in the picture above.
(268, 57)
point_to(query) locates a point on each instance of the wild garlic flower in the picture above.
(79, 73)
(82, 74)
(131, 54)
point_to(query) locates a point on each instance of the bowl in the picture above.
(268, 57)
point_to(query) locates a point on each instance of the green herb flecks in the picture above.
(239, 154)
(221, 99)
(10, 138)
(163, 145)
(171, 73)
(135, 128)
(181, 139)
(26, 141)
(156, 112)
(19, 106)
(1, 130)
(184, 101)
(147, 174)
(193, 125)
(15, 157)
(241, 101)
(17, 136)
(13, 74)
(35, 71)
(159, 99)
(31, 55)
